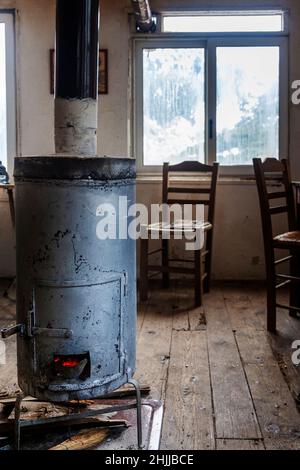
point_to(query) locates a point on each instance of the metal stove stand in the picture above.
(19, 424)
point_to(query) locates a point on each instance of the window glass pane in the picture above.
(223, 23)
(174, 110)
(3, 130)
(247, 104)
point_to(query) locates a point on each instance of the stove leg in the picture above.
(18, 404)
(138, 412)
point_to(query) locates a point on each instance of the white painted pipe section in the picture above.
(76, 126)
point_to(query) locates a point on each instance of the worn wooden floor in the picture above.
(225, 382)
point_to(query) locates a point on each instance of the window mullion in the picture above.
(211, 101)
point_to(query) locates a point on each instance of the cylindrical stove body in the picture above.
(76, 291)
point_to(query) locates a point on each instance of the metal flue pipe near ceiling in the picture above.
(143, 15)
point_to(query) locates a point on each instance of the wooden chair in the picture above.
(278, 171)
(176, 194)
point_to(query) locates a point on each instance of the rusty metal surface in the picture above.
(70, 167)
(69, 280)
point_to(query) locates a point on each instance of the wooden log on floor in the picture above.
(85, 439)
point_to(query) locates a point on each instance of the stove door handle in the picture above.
(52, 332)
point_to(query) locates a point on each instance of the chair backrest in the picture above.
(171, 192)
(278, 171)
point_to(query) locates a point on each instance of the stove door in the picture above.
(77, 332)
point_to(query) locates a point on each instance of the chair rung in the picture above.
(188, 201)
(282, 284)
(189, 190)
(178, 260)
(278, 209)
(283, 260)
(288, 307)
(277, 195)
(171, 269)
(151, 276)
(155, 251)
(289, 278)
(204, 253)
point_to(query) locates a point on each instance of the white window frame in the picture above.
(228, 12)
(8, 18)
(211, 41)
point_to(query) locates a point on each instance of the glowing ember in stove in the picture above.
(67, 362)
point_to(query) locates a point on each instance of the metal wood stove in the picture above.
(76, 296)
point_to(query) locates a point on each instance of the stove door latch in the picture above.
(13, 330)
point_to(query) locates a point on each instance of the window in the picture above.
(7, 91)
(216, 98)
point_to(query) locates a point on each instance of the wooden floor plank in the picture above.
(234, 412)
(8, 369)
(4, 285)
(184, 300)
(141, 314)
(288, 331)
(282, 444)
(240, 444)
(276, 410)
(188, 419)
(197, 319)
(241, 311)
(154, 343)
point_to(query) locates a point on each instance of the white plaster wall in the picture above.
(34, 38)
(238, 245)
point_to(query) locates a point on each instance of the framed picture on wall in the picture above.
(103, 72)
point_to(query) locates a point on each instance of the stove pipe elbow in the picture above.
(143, 15)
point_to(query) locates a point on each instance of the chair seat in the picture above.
(179, 226)
(288, 239)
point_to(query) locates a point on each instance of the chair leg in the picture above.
(294, 288)
(165, 263)
(208, 259)
(144, 270)
(271, 300)
(198, 278)
(207, 280)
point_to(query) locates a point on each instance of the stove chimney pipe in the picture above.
(77, 37)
